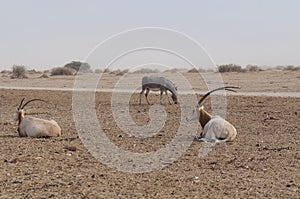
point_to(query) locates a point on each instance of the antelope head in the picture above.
(199, 112)
(20, 110)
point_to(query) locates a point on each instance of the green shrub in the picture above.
(229, 68)
(119, 72)
(18, 72)
(77, 65)
(146, 70)
(291, 68)
(252, 68)
(62, 71)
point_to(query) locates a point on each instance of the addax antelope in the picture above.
(35, 127)
(158, 84)
(215, 128)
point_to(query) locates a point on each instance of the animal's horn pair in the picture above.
(228, 88)
(22, 107)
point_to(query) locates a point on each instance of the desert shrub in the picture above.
(77, 65)
(106, 70)
(291, 68)
(18, 72)
(98, 71)
(44, 76)
(172, 70)
(193, 70)
(229, 68)
(119, 72)
(32, 71)
(210, 70)
(62, 71)
(146, 70)
(252, 68)
(6, 72)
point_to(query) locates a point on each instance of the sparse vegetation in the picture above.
(119, 72)
(146, 70)
(106, 70)
(98, 71)
(193, 70)
(33, 71)
(77, 65)
(291, 68)
(44, 76)
(172, 70)
(62, 71)
(229, 68)
(18, 72)
(6, 72)
(252, 68)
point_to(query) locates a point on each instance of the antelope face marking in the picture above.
(194, 115)
(16, 115)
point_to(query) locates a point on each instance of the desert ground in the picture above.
(263, 161)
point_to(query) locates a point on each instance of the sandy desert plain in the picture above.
(263, 161)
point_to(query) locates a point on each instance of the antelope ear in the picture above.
(201, 107)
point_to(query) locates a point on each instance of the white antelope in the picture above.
(35, 127)
(215, 128)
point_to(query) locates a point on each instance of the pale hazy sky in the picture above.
(43, 34)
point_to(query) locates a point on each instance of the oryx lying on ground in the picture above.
(35, 127)
(158, 84)
(215, 128)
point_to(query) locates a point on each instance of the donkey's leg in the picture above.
(146, 94)
(161, 93)
(143, 89)
(168, 96)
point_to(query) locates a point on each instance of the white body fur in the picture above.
(215, 128)
(35, 127)
(218, 130)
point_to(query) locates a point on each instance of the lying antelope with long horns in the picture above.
(215, 128)
(158, 84)
(35, 127)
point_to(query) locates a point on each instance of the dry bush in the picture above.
(119, 72)
(6, 72)
(79, 66)
(230, 68)
(44, 76)
(98, 71)
(252, 68)
(291, 68)
(172, 70)
(62, 71)
(106, 70)
(193, 70)
(18, 72)
(32, 71)
(146, 70)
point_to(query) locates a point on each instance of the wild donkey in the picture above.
(215, 128)
(158, 84)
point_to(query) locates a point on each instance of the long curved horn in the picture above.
(32, 101)
(21, 103)
(228, 88)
